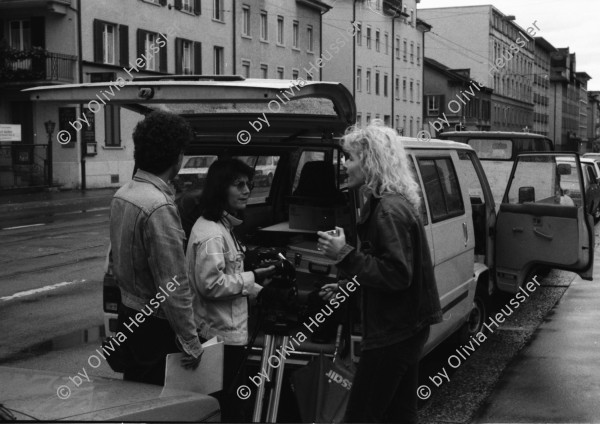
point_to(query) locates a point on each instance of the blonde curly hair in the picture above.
(383, 160)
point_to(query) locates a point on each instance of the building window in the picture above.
(359, 34)
(397, 48)
(20, 35)
(149, 43)
(112, 125)
(295, 74)
(309, 77)
(377, 83)
(404, 89)
(111, 42)
(418, 91)
(397, 88)
(387, 42)
(412, 52)
(405, 50)
(153, 48)
(186, 57)
(280, 72)
(218, 10)
(368, 118)
(187, 6)
(359, 79)
(411, 91)
(280, 30)
(377, 43)
(264, 71)
(433, 105)
(246, 68)
(295, 32)
(368, 37)
(246, 20)
(385, 85)
(368, 81)
(264, 29)
(358, 118)
(404, 132)
(309, 35)
(411, 127)
(397, 122)
(418, 54)
(108, 44)
(412, 17)
(219, 57)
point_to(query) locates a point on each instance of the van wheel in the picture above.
(477, 318)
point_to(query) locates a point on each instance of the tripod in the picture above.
(271, 343)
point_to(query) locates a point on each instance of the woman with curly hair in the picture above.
(394, 269)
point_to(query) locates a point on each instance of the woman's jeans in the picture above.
(385, 385)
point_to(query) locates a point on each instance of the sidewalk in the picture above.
(556, 378)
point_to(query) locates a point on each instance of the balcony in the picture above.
(58, 7)
(35, 66)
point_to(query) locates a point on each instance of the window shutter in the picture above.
(197, 58)
(442, 99)
(178, 5)
(178, 56)
(38, 32)
(197, 7)
(163, 2)
(141, 39)
(163, 58)
(98, 41)
(124, 45)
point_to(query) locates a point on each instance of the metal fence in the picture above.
(23, 165)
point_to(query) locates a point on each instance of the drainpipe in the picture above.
(80, 77)
(354, 51)
(234, 6)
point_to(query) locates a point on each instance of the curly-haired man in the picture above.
(155, 314)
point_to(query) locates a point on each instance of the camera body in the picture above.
(281, 313)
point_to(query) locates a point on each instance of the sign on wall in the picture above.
(10, 132)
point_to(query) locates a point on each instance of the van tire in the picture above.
(478, 316)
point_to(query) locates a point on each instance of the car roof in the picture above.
(415, 143)
(33, 393)
(492, 134)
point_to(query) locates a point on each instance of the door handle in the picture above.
(466, 232)
(539, 233)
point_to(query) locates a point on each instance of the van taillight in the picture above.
(111, 294)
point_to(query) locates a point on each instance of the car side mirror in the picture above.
(526, 194)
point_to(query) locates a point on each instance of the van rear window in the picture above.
(487, 148)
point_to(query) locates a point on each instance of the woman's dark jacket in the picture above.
(394, 270)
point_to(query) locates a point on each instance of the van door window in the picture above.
(264, 171)
(423, 209)
(442, 188)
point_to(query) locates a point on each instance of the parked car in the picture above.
(497, 151)
(477, 249)
(193, 172)
(569, 184)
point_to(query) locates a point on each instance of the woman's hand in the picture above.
(189, 362)
(328, 290)
(331, 245)
(261, 274)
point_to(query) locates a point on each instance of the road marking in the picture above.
(23, 226)
(40, 290)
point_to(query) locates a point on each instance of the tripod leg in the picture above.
(276, 392)
(264, 365)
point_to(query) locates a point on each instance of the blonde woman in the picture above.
(394, 269)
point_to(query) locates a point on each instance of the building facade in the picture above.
(542, 114)
(376, 51)
(72, 41)
(451, 102)
(498, 52)
(593, 113)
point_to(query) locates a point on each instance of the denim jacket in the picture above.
(215, 266)
(395, 272)
(148, 257)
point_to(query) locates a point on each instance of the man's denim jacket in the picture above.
(147, 254)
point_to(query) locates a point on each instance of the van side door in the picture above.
(539, 223)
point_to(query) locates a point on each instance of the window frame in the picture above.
(447, 215)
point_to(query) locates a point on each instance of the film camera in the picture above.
(279, 304)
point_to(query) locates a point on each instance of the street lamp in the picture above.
(50, 125)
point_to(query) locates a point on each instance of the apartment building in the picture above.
(451, 101)
(499, 53)
(72, 41)
(542, 114)
(376, 50)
